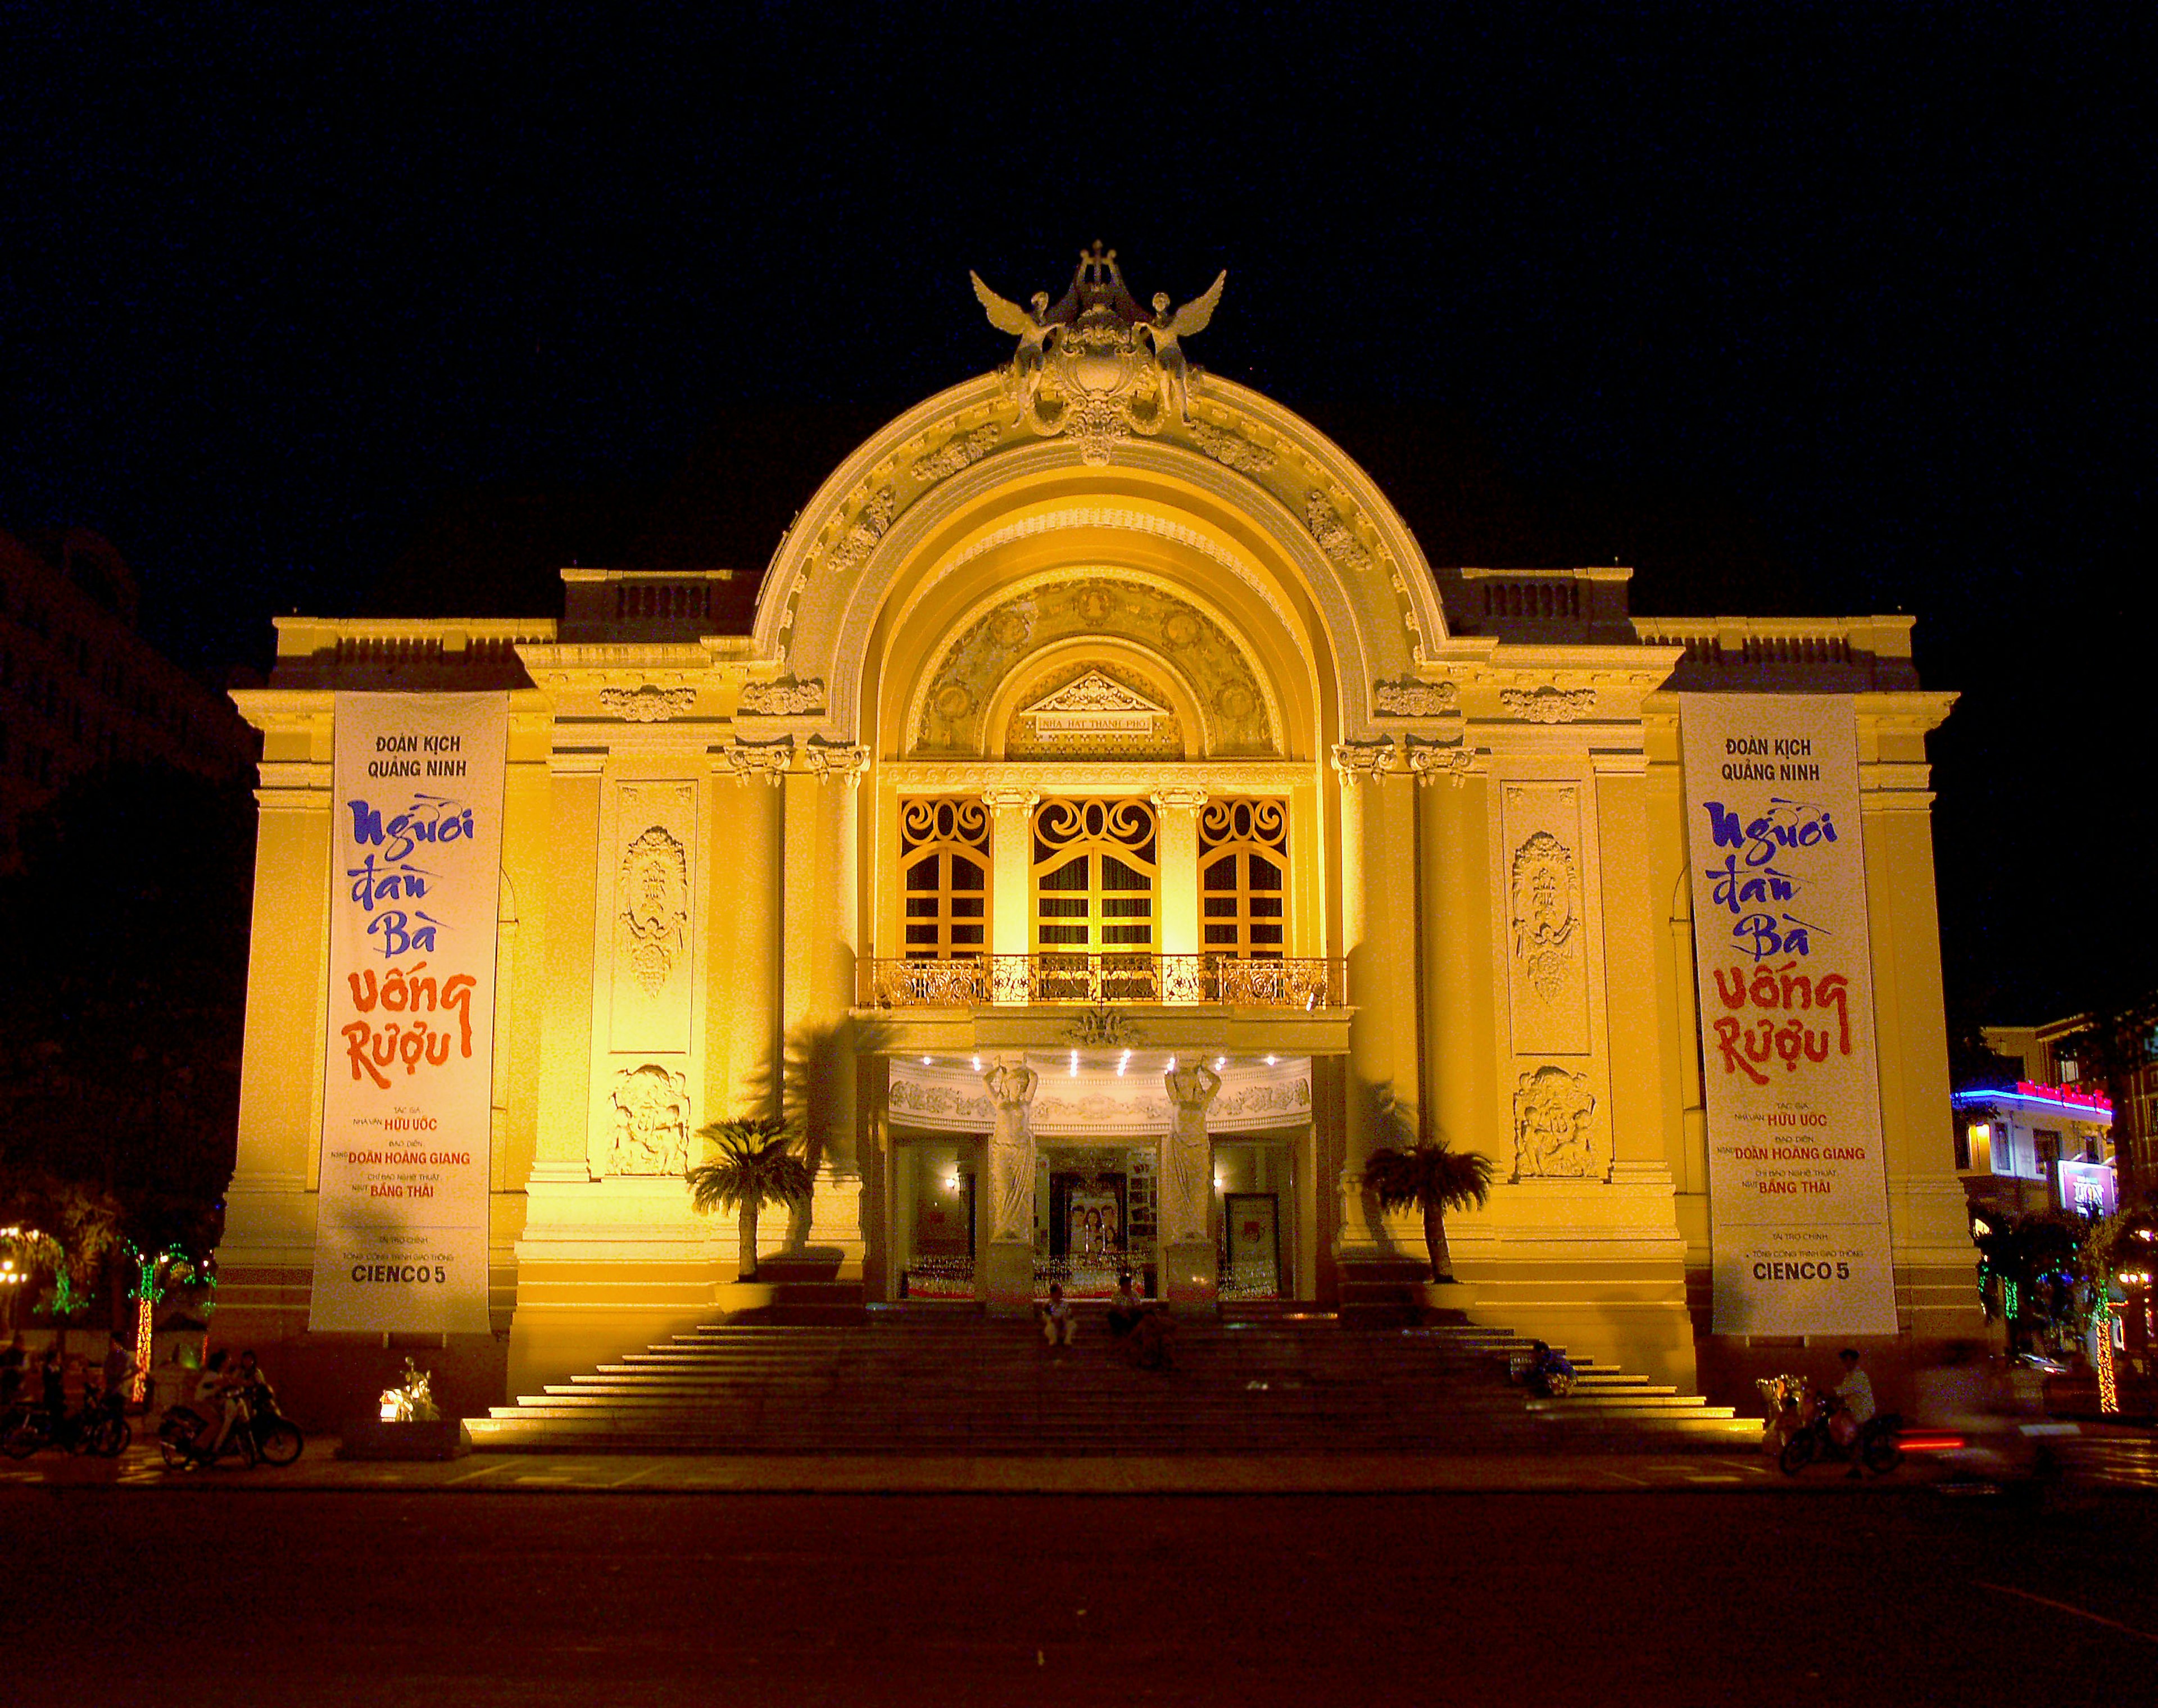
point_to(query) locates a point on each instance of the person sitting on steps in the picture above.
(1058, 1322)
(1126, 1309)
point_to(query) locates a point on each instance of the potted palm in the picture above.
(1436, 1178)
(756, 1166)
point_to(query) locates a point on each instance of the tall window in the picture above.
(944, 858)
(1243, 878)
(1094, 876)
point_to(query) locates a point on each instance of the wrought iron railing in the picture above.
(1096, 981)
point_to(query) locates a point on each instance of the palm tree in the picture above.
(756, 1166)
(1436, 1178)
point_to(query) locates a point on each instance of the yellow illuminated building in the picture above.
(1108, 831)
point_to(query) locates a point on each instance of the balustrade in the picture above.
(1094, 981)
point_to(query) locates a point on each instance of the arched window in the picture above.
(1243, 878)
(944, 864)
(1094, 865)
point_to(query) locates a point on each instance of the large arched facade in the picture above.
(1102, 842)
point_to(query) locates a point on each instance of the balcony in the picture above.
(1092, 981)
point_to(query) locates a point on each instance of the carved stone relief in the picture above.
(863, 532)
(1089, 710)
(648, 704)
(1410, 698)
(961, 450)
(1554, 1138)
(1230, 449)
(1546, 921)
(655, 892)
(650, 1131)
(1333, 535)
(1214, 670)
(1548, 705)
(1551, 919)
(650, 952)
(785, 698)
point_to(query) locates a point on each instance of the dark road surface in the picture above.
(1872, 1594)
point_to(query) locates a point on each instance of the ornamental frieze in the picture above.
(648, 704)
(1409, 698)
(1548, 705)
(785, 698)
(1333, 535)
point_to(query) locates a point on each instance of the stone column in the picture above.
(1177, 901)
(1007, 1258)
(1189, 1268)
(566, 1019)
(742, 1049)
(1011, 888)
(1379, 930)
(821, 930)
(267, 1253)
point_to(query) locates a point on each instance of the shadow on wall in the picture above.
(1394, 1125)
(814, 1094)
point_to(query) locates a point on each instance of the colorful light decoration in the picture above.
(2109, 1377)
(154, 1274)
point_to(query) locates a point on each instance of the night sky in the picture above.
(1795, 309)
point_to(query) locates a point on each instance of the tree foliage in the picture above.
(1434, 1178)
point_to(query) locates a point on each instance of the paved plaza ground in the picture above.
(528, 1580)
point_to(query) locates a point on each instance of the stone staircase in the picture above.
(943, 1379)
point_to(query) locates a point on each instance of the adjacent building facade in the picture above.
(1108, 831)
(79, 688)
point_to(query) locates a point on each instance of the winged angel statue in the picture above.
(1095, 364)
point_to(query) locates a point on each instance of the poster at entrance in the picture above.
(1797, 1173)
(415, 852)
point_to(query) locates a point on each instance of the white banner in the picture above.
(1797, 1174)
(415, 853)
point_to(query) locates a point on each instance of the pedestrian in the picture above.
(1126, 1309)
(1856, 1391)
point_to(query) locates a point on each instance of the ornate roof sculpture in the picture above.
(1095, 365)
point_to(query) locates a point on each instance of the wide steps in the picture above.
(949, 1381)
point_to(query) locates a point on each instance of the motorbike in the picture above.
(99, 1428)
(1825, 1431)
(260, 1437)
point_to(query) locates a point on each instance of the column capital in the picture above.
(768, 760)
(1430, 760)
(836, 759)
(1178, 797)
(1359, 761)
(1010, 798)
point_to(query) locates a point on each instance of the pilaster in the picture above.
(1177, 828)
(1011, 868)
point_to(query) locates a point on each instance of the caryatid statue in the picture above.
(1188, 1168)
(1012, 1085)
